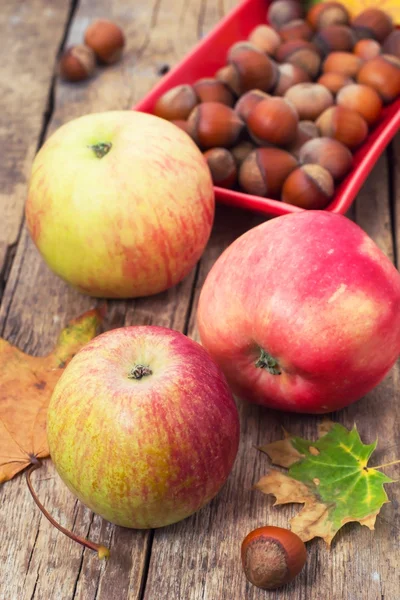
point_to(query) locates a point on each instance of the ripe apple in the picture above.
(302, 313)
(120, 204)
(142, 426)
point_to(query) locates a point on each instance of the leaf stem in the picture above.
(102, 551)
(394, 462)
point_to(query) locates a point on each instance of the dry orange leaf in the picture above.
(26, 385)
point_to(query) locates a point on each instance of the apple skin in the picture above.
(131, 223)
(147, 452)
(316, 293)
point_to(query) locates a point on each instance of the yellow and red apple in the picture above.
(120, 204)
(142, 426)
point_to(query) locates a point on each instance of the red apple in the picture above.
(120, 203)
(302, 313)
(142, 426)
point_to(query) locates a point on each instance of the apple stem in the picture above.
(266, 361)
(101, 149)
(140, 371)
(102, 551)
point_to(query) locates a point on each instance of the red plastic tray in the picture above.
(210, 54)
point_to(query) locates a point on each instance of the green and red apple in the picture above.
(120, 204)
(302, 313)
(142, 426)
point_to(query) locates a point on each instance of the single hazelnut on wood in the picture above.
(383, 74)
(222, 166)
(367, 49)
(177, 103)
(363, 99)
(344, 125)
(273, 121)
(213, 90)
(229, 75)
(345, 63)
(296, 30)
(309, 186)
(334, 38)
(264, 170)
(334, 81)
(325, 14)
(309, 99)
(241, 151)
(265, 39)
(255, 68)
(306, 130)
(77, 63)
(212, 125)
(328, 153)
(248, 101)
(106, 39)
(272, 557)
(289, 75)
(392, 44)
(281, 12)
(372, 23)
(301, 53)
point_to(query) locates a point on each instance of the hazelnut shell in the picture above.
(212, 124)
(310, 186)
(263, 118)
(264, 171)
(177, 103)
(328, 153)
(344, 125)
(77, 63)
(106, 39)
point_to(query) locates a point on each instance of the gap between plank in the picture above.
(392, 198)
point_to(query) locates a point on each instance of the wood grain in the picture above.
(31, 45)
(198, 558)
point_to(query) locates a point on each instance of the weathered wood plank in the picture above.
(41, 562)
(32, 42)
(202, 554)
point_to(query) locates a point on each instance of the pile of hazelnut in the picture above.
(282, 118)
(104, 42)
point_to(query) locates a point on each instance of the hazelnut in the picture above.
(281, 12)
(296, 30)
(345, 63)
(77, 63)
(177, 103)
(222, 166)
(272, 557)
(363, 99)
(383, 74)
(263, 119)
(289, 75)
(301, 53)
(309, 99)
(263, 172)
(373, 23)
(334, 81)
(255, 68)
(248, 101)
(241, 151)
(309, 186)
(106, 39)
(306, 130)
(213, 90)
(265, 39)
(392, 44)
(343, 124)
(212, 124)
(325, 14)
(367, 49)
(229, 75)
(334, 38)
(328, 153)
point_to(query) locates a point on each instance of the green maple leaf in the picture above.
(331, 477)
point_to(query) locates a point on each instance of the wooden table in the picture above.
(197, 559)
